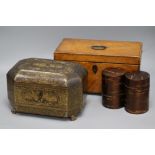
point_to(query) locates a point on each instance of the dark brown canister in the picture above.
(137, 92)
(112, 88)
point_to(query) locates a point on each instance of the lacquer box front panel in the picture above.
(32, 98)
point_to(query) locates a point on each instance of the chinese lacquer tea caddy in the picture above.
(137, 86)
(113, 88)
(96, 55)
(46, 87)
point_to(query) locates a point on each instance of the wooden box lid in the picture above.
(99, 51)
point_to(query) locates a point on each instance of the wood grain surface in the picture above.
(119, 54)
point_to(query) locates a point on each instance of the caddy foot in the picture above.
(73, 118)
(13, 111)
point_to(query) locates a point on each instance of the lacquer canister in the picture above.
(137, 92)
(113, 88)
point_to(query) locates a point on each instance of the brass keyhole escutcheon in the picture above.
(94, 68)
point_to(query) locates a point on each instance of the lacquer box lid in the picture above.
(44, 71)
(99, 51)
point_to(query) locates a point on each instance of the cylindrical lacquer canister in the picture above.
(137, 92)
(113, 88)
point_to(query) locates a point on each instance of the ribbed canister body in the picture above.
(113, 88)
(137, 92)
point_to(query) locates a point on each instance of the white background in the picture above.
(18, 43)
(80, 12)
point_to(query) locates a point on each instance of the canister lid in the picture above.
(138, 79)
(113, 72)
